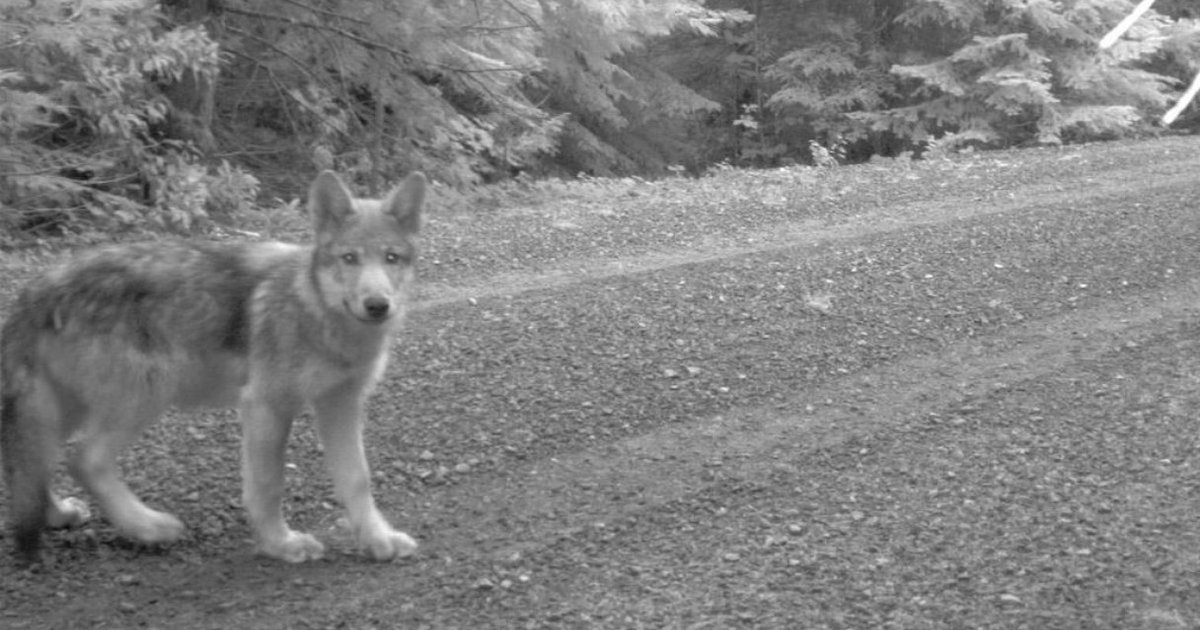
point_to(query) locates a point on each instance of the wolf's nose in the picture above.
(376, 307)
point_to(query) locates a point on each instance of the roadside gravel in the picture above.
(905, 395)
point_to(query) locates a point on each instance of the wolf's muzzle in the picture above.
(376, 308)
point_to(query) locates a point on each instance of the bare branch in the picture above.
(368, 43)
(327, 13)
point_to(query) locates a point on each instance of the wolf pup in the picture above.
(102, 347)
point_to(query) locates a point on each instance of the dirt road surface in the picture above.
(945, 394)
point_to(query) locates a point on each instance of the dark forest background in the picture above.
(175, 113)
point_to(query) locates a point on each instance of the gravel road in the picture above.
(953, 394)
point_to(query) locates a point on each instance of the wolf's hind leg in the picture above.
(94, 466)
(31, 426)
(340, 424)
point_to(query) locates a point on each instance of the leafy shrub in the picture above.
(81, 118)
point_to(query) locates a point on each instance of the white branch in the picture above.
(1125, 24)
(1187, 97)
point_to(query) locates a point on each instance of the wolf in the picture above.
(101, 347)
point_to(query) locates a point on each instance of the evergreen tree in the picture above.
(109, 108)
(1005, 72)
(465, 90)
(83, 118)
(882, 76)
(624, 110)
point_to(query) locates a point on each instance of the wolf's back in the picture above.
(109, 329)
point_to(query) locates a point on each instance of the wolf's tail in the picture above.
(27, 443)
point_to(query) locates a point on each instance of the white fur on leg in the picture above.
(68, 512)
(292, 547)
(388, 545)
(151, 527)
(379, 541)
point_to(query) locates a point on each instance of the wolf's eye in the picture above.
(393, 258)
(350, 258)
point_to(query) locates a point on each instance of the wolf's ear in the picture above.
(405, 202)
(329, 199)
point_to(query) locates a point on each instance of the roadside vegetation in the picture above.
(183, 114)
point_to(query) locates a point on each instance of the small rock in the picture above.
(127, 607)
(484, 584)
(732, 557)
(462, 468)
(425, 455)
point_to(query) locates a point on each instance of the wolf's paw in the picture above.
(68, 512)
(293, 547)
(153, 528)
(388, 544)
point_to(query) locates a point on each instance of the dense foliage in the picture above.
(886, 76)
(468, 90)
(135, 112)
(82, 117)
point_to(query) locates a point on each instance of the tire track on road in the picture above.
(544, 503)
(812, 232)
(540, 502)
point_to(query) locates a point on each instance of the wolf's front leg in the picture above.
(340, 424)
(265, 427)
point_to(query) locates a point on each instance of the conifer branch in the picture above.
(366, 42)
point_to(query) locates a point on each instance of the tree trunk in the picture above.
(192, 97)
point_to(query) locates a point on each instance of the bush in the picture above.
(82, 117)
